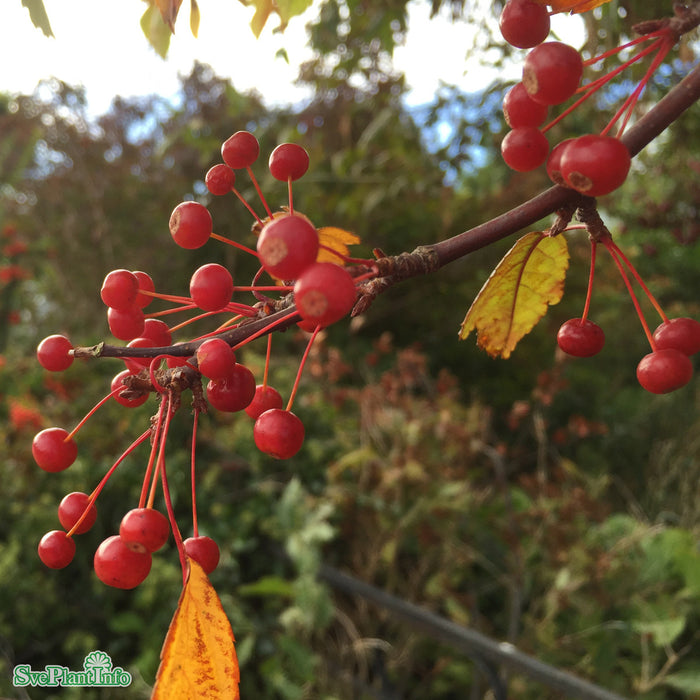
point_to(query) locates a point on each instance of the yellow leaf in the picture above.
(194, 18)
(337, 240)
(529, 278)
(168, 11)
(572, 5)
(198, 659)
(263, 9)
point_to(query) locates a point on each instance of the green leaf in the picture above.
(37, 13)
(156, 30)
(291, 8)
(268, 586)
(687, 680)
(663, 632)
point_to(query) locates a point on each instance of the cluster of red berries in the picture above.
(593, 164)
(290, 251)
(668, 366)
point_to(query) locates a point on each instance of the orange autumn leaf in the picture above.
(529, 279)
(168, 11)
(198, 659)
(335, 239)
(572, 5)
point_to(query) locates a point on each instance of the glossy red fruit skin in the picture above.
(552, 72)
(56, 550)
(190, 225)
(266, 397)
(211, 287)
(524, 23)
(136, 364)
(204, 551)
(580, 338)
(128, 403)
(52, 452)
(324, 293)
(144, 529)
(287, 245)
(519, 109)
(52, 353)
(215, 358)
(71, 509)
(240, 150)
(663, 371)
(278, 433)
(119, 289)
(118, 566)
(220, 179)
(680, 333)
(158, 332)
(288, 161)
(553, 163)
(234, 392)
(525, 148)
(126, 325)
(595, 165)
(146, 284)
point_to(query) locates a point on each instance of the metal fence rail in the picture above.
(488, 654)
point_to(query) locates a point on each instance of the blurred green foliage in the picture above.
(543, 501)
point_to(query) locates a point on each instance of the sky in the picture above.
(99, 44)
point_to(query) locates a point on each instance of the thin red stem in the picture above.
(259, 191)
(264, 330)
(289, 190)
(152, 456)
(267, 360)
(301, 368)
(589, 291)
(246, 205)
(195, 527)
(235, 244)
(622, 47)
(92, 412)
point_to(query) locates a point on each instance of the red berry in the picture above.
(117, 381)
(204, 551)
(324, 293)
(554, 163)
(126, 325)
(119, 289)
(665, 370)
(71, 509)
(53, 353)
(679, 333)
(136, 364)
(211, 287)
(219, 179)
(288, 161)
(56, 549)
(215, 358)
(595, 165)
(525, 148)
(552, 72)
(145, 284)
(144, 530)
(52, 452)
(278, 433)
(240, 150)
(580, 338)
(234, 392)
(157, 331)
(519, 109)
(524, 23)
(265, 398)
(117, 565)
(190, 225)
(287, 245)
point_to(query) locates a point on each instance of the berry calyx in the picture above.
(524, 23)
(266, 397)
(119, 289)
(663, 371)
(56, 550)
(53, 353)
(204, 551)
(234, 392)
(190, 225)
(211, 287)
(215, 358)
(144, 530)
(679, 333)
(595, 165)
(278, 433)
(524, 148)
(519, 109)
(118, 381)
(324, 293)
(220, 179)
(580, 338)
(240, 150)
(71, 509)
(287, 245)
(552, 72)
(119, 566)
(52, 451)
(288, 161)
